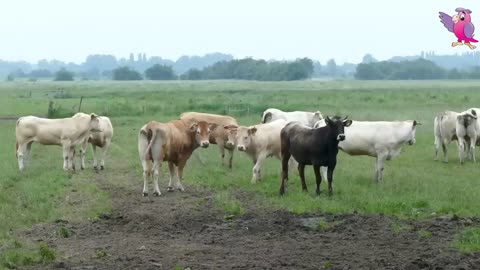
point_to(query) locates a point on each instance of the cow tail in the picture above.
(151, 135)
(16, 149)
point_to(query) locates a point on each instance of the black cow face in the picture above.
(337, 124)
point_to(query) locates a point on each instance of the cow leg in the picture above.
(72, 157)
(323, 172)
(318, 177)
(66, 155)
(445, 144)
(147, 172)
(473, 140)
(221, 147)
(284, 177)
(21, 151)
(301, 172)
(379, 167)
(461, 149)
(83, 153)
(94, 155)
(27, 154)
(230, 158)
(171, 169)
(437, 147)
(104, 154)
(156, 174)
(330, 179)
(180, 167)
(257, 169)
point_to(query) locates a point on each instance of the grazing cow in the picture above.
(445, 131)
(380, 139)
(66, 132)
(218, 136)
(309, 146)
(259, 142)
(97, 139)
(467, 130)
(306, 118)
(174, 142)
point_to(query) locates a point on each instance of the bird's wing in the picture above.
(446, 20)
(468, 30)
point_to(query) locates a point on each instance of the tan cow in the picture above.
(220, 135)
(66, 132)
(259, 142)
(97, 139)
(174, 142)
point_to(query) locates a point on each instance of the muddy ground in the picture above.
(186, 230)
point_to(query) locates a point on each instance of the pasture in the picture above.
(417, 195)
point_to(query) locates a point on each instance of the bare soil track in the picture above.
(186, 230)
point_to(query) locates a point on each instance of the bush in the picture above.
(63, 75)
(126, 74)
(160, 72)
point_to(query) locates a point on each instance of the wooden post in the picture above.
(80, 106)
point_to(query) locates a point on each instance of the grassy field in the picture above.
(414, 185)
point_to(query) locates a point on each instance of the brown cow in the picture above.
(174, 142)
(220, 135)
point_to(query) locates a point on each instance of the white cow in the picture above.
(380, 139)
(97, 139)
(259, 142)
(306, 118)
(447, 125)
(467, 130)
(66, 132)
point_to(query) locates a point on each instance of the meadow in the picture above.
(414, 185)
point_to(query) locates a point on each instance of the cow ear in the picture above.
(212, 126)
(193, 127)
(319, 115)
(93, 116)
(252, 131)
(347, 123)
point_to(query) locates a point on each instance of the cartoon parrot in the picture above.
(461, 25)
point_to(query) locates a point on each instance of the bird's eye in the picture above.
(462, 17)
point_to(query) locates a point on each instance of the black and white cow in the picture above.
(308, 146)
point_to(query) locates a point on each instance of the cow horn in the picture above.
(346, 117)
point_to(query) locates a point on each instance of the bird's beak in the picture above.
(455, 18)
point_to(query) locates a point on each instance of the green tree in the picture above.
(126, 74)
(63, 75)
(192, 74)
(160, 72)
(332, 67)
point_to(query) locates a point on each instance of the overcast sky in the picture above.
(345, 30)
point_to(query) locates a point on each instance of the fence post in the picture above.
(80, 106)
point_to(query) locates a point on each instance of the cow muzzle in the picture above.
(204, 144)
(341, 137)
(411, 142)
(230, 144)
(241, 148)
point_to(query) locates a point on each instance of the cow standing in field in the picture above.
(101, 139)
(218, 136)
(66, 132)
(380, 139)
(174, 142)
(259, 142)
(309, 146)
(468, 131)
(306, 118)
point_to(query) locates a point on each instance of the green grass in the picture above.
(414, 185)
(468, 241)
(424, 233)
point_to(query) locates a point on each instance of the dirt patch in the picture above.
(186, 230)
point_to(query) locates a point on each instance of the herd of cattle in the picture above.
(296, 138)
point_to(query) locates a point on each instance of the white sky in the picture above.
(320, 29)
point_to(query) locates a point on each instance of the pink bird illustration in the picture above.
(461, 25)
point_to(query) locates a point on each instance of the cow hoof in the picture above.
(145, 194)
(156, 194)
(170, 189)
(102, 168)
(82, 168)
(180, 189)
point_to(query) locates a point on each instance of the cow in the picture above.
(312, 146)
(467, 131)
(218, 136)
(259, 142)
(174, 142)
(306, 118)
(380, 139)
(66, 132)
(97, 139)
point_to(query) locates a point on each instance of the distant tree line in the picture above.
(419, 69)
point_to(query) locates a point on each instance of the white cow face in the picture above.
(232, 134)
(94, 123)
(411, 139)
(202, 131)
(244, 137)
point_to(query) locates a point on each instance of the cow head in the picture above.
(317, 116)
(244, 137)
(231, 135)
(94, 123)
(411, 138)
(202, 131)
(338, 124)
